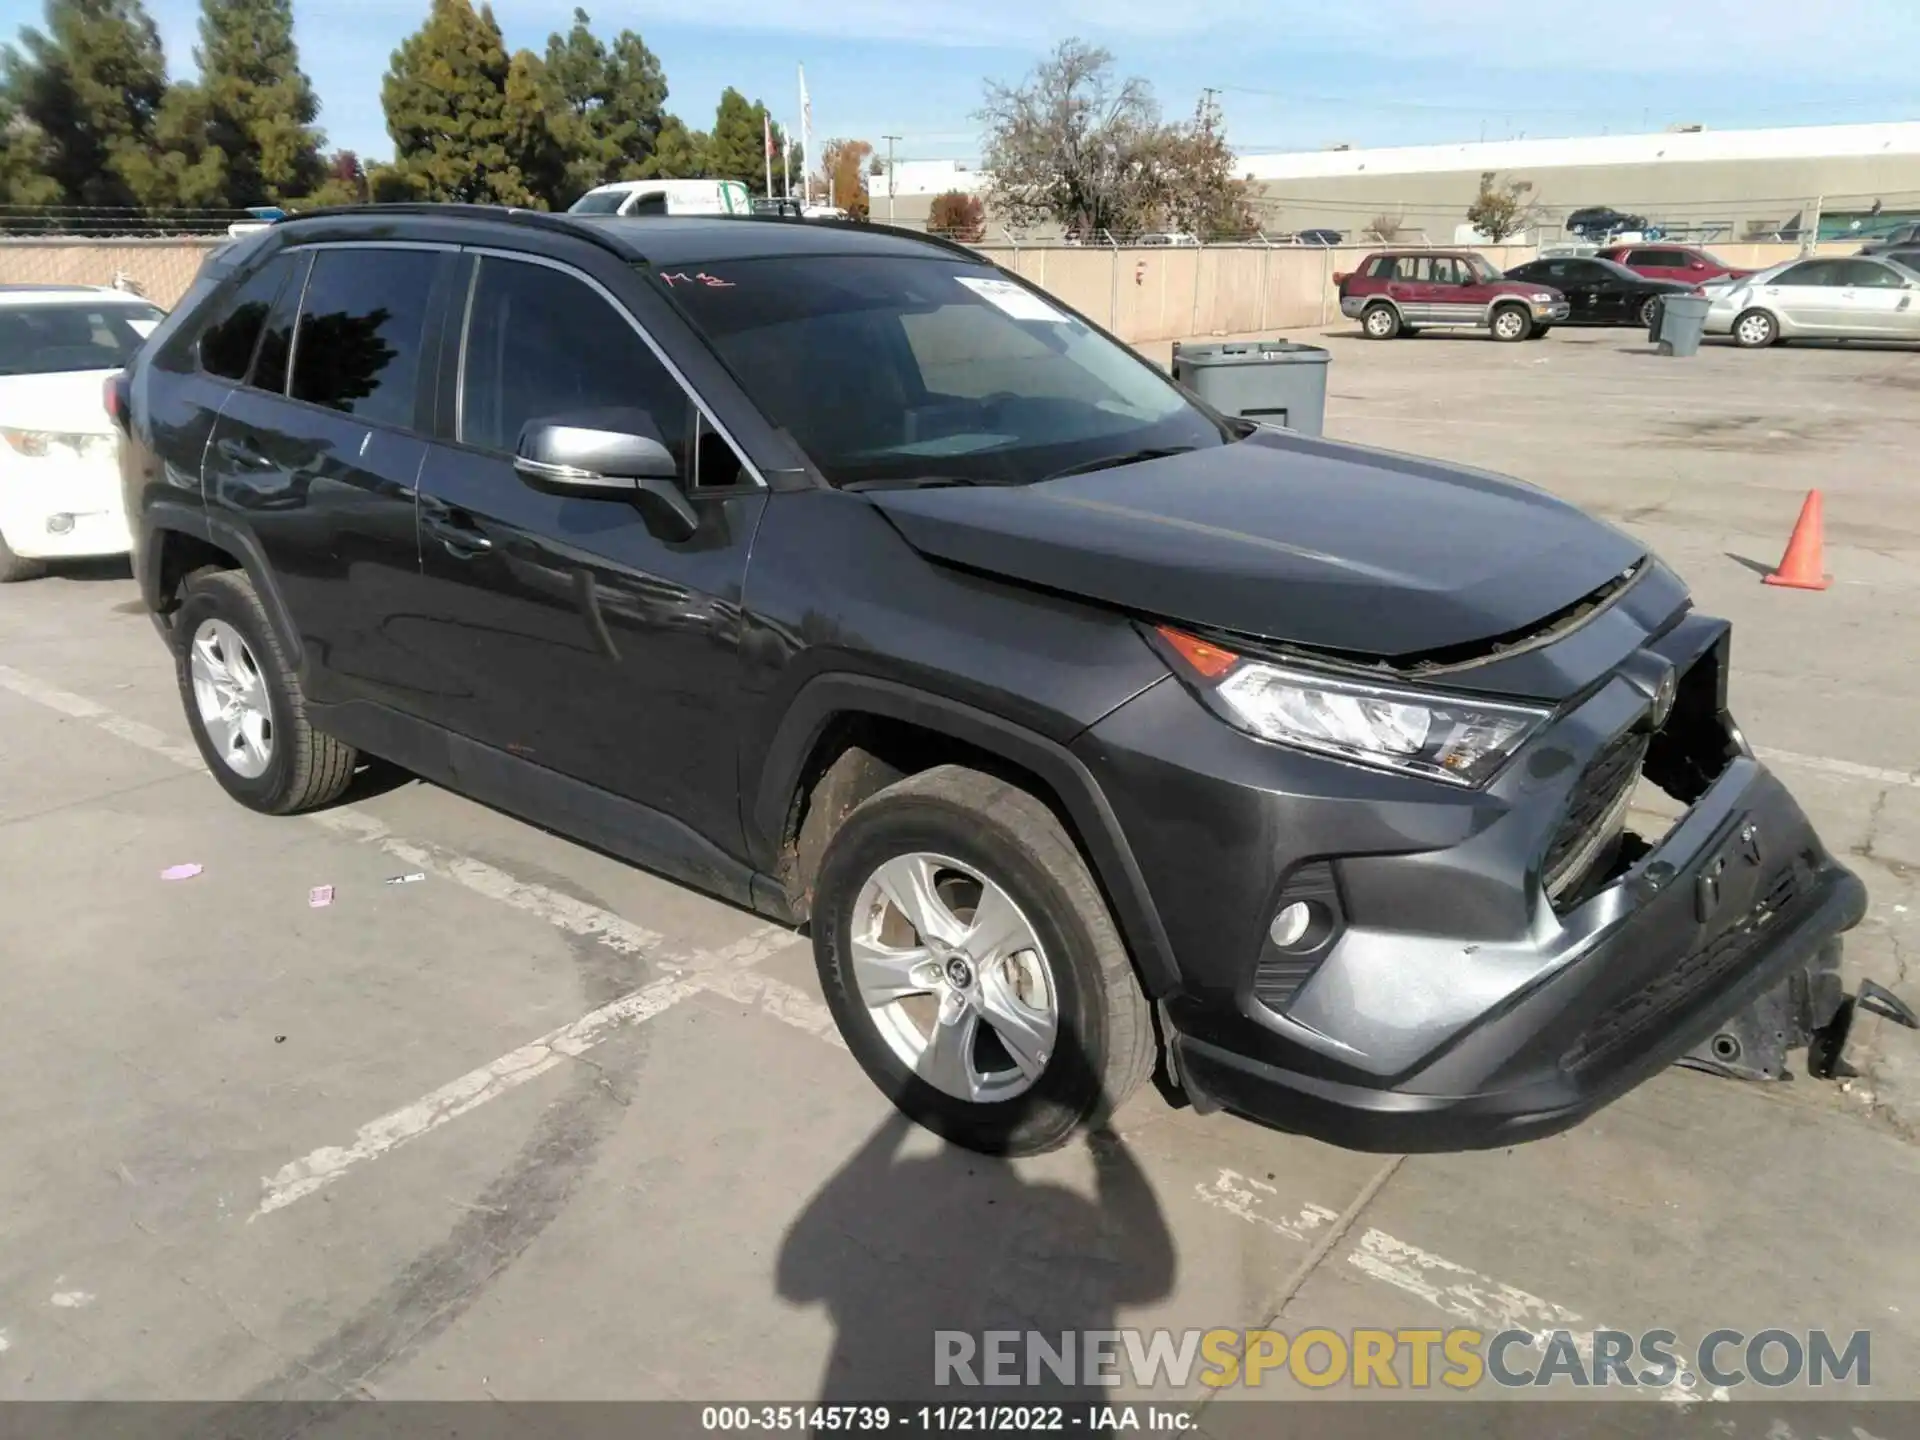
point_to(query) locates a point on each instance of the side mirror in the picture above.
(630, 463)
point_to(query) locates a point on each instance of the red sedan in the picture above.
(1688, 263)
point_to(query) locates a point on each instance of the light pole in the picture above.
(890, 139)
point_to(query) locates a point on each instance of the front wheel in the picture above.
(1755, 330)
(972, 967)
(1511, 323)
(1649, 308)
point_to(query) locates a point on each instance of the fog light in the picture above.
(1291, 924)
(59, 524)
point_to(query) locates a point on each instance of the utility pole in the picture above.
(890, 139)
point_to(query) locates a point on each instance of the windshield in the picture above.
(911, 369)
(1484, 268)
(599, 202)
(53, 339)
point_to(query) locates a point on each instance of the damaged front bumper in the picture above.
(1493, 965)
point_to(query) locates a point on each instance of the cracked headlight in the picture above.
(1460, 739)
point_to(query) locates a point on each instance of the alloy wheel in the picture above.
(231, 695)
(954, 977)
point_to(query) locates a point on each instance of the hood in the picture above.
(1283, 536)
(1523, 287)
(71, 402)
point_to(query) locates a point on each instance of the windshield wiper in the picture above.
(1131, 457)
(917, 482)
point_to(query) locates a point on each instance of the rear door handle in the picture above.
(459, 532)
(243, 451)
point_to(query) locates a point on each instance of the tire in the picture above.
(1510, 323)
(1649, 307)
(958, 828)
(15, 568)
(1380, 322)
(1407, 332)
(289, 766)
(1755, 330)
(1540, 332)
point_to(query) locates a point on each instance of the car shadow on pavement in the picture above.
(899, 1246)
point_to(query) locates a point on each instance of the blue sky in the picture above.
(1293, 75)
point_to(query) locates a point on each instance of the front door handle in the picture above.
(459, 533)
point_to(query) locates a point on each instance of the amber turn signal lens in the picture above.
(1210, 661)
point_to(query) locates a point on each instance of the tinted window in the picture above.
(1662, 259)
(605, 202)
(1381, 268)
(1871, 276)
(1812, 272)
(649, 205)
(895, 368)
(226, 349)
(276, 338)
(543, 345)
(51, 339)
(358, 347)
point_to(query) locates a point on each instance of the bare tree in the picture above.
(1386, 228)
(1500, 211)
(1070, 145)
(1191, 186)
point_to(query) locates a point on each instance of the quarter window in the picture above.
(542, 345)
(227, 346)
(362, 326)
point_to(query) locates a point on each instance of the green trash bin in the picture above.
(1276, 381)
(1679, 321)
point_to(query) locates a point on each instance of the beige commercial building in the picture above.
(1710, 186)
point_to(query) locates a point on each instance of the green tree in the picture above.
(678, 153)
(259, 105)
(24, 179)
(87, 90)
(445, 96)
(1500, 211)
(605, 106)
(185, 170)
(737, 149)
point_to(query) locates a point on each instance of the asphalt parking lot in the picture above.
(538, 1125)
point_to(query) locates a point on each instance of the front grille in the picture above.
(1279, 974)
(1596, 810)
(1786, 891)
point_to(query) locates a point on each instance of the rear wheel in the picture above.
(1510, 323)
(972, 967)
(17, 567)
(1649, 308)
(1755, 330)
(1380, 322)
(244, 704)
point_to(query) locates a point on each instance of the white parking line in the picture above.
(1846, 769)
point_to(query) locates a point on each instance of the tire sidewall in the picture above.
(1511, 312)
(1386, 330)
(200, 605)
(1069, 1088)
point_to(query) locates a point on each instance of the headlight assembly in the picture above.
(1459, 739)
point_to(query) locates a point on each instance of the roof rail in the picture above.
(544, 219)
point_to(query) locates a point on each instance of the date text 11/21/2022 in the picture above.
(941, 1419)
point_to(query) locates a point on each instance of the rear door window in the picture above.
(227, 345)
(1867, 275)
(360, 340)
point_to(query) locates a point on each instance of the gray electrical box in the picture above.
(1275, 381)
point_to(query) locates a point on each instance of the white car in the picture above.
(665, 197)
(1852, 298)
(59, 450)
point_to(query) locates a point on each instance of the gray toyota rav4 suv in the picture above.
(1092, 732)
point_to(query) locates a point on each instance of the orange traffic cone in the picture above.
(1802, 567)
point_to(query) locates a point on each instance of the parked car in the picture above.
(1600, 292)
(1901, 237)
(59, 478)
(1319, 237)
(1855, 298)
(837, 572)
(1672, 262)
(1397, 292)
(1599, 222)
(1168, 238)
(665, 197)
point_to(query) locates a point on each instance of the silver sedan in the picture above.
(1856, 298)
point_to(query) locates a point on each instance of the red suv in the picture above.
(1673, 262)
(1396, 292)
